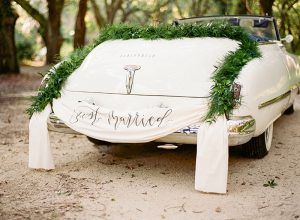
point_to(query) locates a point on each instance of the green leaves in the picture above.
(270, 183)
(221, 96)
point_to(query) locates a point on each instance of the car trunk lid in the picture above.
(181, 67)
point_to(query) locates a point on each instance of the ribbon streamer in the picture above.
(212, 157)
(40, 153)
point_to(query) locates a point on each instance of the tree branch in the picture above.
(34, 13)
(112, 10)
(99, 18)
(80, 27)
(127, 11)
(178, 8)
(292, 4)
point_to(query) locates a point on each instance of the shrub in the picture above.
(25, 46)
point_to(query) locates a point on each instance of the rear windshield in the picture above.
(259, 29)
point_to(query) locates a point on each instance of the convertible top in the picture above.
(259, 21)
(182, 20)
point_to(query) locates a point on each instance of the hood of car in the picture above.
(181, 67)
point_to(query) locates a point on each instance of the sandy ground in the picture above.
(136, 181)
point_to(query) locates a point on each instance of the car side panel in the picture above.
(265, 79)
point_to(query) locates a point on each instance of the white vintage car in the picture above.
(132, 75)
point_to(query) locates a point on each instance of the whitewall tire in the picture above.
(259, 146)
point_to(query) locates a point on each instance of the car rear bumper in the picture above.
(240, 129)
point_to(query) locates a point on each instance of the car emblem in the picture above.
(130, 76)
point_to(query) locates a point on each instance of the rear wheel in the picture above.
(290, 110)
(259, 146)
(97, 142)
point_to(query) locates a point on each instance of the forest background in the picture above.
(39, 32)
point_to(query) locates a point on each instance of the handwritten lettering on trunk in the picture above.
(97, 117)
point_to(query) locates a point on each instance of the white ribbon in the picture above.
(212, 157)
(40, 153)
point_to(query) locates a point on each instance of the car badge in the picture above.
(130, 76)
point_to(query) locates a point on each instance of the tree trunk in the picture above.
(80, 27)
(222, 4)
(8, 53)
(241, 8)
(53, 38)
(112, 9)
(49, 28)
(266, 6)
(98, 17)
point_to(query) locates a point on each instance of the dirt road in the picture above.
(137, 181)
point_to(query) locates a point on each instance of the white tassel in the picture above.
(40, 153)
(212, 157)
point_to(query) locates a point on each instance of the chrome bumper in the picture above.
(240, 129)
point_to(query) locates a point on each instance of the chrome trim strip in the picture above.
(241, 125)
(134, 94)
(268, 42)
(55, 124)
(274, 100)
(294, 87)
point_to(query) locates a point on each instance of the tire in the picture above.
(97, 142)
(290, 110)
(259, 147)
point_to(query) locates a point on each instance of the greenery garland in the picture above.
(221, 96)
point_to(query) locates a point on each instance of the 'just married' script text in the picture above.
(95, 116)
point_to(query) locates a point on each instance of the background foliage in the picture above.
(102, 12)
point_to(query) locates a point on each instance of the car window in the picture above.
(259, 29)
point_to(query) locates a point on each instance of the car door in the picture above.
(292, 71)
